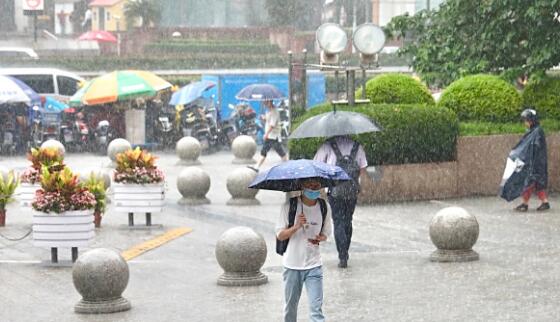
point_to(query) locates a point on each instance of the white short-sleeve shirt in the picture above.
(326, 153)
(272, 118)
(302, 254)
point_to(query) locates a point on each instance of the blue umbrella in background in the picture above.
(190, 93)
(288, 176)
(12, 90)
(260, 92)
(53, 106)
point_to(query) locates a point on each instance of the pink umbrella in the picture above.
(99, 35)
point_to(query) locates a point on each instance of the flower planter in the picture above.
(26, 193)
(138, 198)
(70, 229)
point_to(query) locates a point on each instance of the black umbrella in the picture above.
(335, 123)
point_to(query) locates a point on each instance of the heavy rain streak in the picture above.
(279, 160)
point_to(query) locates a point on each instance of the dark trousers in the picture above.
(342, 212)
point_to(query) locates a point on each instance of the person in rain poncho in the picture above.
(535, 160)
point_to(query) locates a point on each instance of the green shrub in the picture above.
(397, 89)
(489, 128)
(482, 98)
(167, 47)
(411, 134)
(544, 96)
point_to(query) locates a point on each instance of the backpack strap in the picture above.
(354, 151)
(323, 206)
(292, 211)
(336, 150)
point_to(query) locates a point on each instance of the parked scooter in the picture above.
(193, 123)
(103, 136)
(36, 130)
(164, 130)
(8, 134)
(245, 117)
(81, 131)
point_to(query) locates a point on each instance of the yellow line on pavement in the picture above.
(154, 243)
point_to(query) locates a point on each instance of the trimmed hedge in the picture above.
(397, 89)
(211, 47)
(482, 98)
(411, 134)
(544, 96)
(488, 128)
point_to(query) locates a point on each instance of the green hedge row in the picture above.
(397, 89)
(411, 134)
(192, 47)
(492, 128)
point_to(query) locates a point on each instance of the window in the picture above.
(42, 84)
(108, 16)
(67, 86)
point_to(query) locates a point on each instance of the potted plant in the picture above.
(139, 184)
(7, 188)
(31, 178)
(96, 186)
(63, 215)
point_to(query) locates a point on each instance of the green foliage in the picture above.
(148, 11)
(7, 188)
(514, 38)
(411, 134)
(303, 15)
(488, 128)
(482, 98)
(544, 96)
(96, 185)
(397, 89)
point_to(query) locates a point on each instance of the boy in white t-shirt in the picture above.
(302, 259)
(272, 134)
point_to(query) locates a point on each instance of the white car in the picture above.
(53, 82)
(18, 52)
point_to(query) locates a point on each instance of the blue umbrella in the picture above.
(52, 105)
(288, 176)
(260, 92)
(12, 90)
(190, 93)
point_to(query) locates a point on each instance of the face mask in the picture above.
(311, 194)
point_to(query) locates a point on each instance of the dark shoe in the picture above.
(343, 263)
(522, 208)
(544, 206)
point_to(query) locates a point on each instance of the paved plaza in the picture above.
(389, 278)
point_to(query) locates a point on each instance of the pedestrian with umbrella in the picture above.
(272, 136)
(304, 223)
(342, 151)
(527, 167)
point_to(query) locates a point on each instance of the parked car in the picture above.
(56, 83)
(22, 53)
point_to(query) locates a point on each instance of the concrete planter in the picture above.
(138, 198)
(69, 229)
(26, 193)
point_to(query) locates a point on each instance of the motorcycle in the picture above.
(245, 119)
(194, 124)
(36, 131)
(7, 136)
(103, 136)
(81, 131)
(50, 125)
(164, 130)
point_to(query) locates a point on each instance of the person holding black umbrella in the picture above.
(532, 153)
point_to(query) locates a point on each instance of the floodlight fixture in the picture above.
(333, 40)
(369, 39)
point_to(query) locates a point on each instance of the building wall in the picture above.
(111, 15)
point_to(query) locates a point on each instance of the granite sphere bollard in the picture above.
(193, 183)
(52, 143)
(188, 150)
(101, 276)
(4, 173)
(244, 148)
(454, 232)
(241, 253)
(237, 185)
(115, 147)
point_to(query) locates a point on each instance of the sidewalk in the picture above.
(389, 277)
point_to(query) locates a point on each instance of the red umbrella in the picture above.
(99, 35)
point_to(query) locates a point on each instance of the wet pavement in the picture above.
(389, 277)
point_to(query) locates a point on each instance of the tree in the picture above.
(300, 14)
(148, 11)
(513, 38)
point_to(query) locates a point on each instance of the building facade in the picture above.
(108, 15)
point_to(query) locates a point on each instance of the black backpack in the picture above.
(348, 163)
(282, 245)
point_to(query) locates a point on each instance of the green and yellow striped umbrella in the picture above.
(119, 86)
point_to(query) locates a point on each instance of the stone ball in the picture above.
(4, 173)
(244, 147)
(238, 182)
(188, 149)
(241, 249)
(453, 228)
(51, 143)
(117, 146)
(100, 274)
(193, 182)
